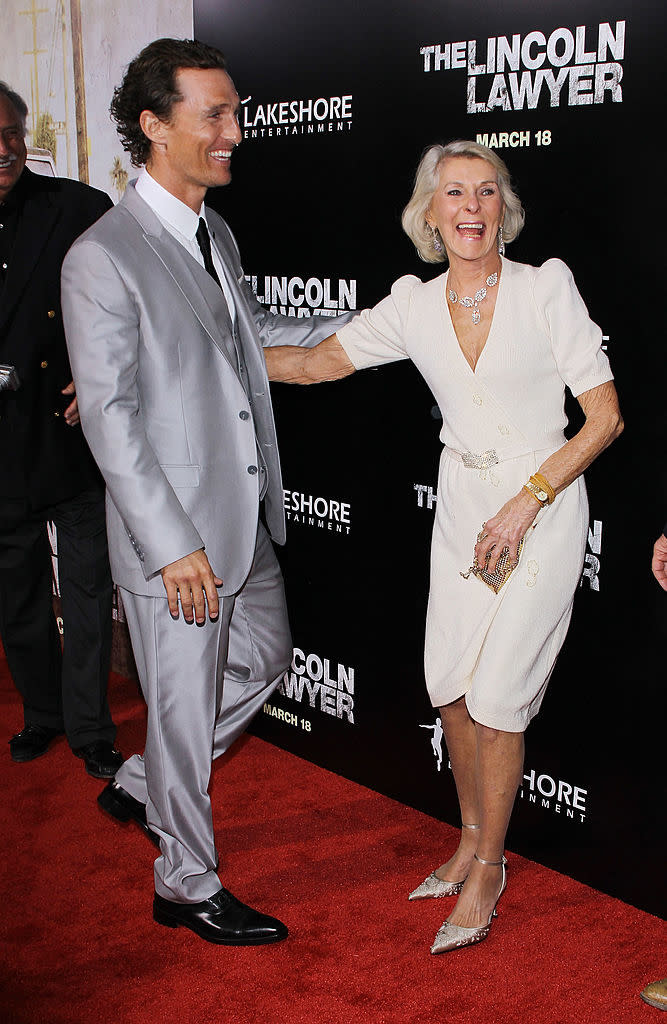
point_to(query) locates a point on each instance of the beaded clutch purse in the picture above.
(502, 571)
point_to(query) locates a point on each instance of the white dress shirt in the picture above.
(181, 222)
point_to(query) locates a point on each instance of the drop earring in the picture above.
(437, 244)
(501, 243)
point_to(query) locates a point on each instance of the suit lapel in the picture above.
(252, 348)
(183, 269)
(39, 217)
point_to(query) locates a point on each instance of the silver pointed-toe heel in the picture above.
(453, 936)
(433, 888)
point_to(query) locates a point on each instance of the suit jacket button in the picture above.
(51, 313)
(43, 364)
(243, 415)
(252, 470)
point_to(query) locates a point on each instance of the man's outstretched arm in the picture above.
(294, 365)
(659, 562)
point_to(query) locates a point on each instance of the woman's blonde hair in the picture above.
(426, 182)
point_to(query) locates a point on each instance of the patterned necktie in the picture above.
(204, 241)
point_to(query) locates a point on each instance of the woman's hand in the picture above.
(603, 424)
(506, 529)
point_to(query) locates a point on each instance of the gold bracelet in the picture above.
(542, 482)
(529, 487)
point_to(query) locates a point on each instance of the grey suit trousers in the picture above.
(202, 685)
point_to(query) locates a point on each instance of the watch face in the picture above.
(541, 495)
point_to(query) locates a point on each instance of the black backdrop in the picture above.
(319, 185)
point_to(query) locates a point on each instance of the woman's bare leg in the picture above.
(461, 741)
(498, 768)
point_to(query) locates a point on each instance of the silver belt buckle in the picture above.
(483, 461)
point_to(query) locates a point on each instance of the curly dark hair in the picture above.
(150, 84)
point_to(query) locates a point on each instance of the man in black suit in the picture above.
(47, 472)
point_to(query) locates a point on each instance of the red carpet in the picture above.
(332, 859)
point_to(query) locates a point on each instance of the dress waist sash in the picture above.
(493, 456)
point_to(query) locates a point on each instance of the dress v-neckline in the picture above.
(450, 321)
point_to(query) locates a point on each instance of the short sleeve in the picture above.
(377, 335)
(575, 340)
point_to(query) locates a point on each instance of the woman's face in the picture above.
(467, 207)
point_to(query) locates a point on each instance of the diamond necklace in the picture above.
(470, 302)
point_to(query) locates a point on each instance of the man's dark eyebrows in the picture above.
(220, 107)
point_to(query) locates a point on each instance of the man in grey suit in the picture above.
(165, 340)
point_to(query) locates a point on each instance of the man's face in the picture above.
(13, 153)
(195, 148)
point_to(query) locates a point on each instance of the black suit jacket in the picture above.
(41, 458)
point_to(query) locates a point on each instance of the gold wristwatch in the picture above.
(537, 492)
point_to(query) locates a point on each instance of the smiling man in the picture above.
(165, 338)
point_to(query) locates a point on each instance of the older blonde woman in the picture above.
(497, 342)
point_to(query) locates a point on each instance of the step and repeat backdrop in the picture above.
(339, 101)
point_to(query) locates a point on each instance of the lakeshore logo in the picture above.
(592, 560)
(554, 795)
(286, 118)
(572, 67)
(312, 680)
(322, 513)
(542, 790)
(301, 296)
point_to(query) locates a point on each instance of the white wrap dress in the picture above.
(498, 650)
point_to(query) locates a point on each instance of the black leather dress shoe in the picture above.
(222, 919)
(117, 802)
(101, 758)
(31, 742)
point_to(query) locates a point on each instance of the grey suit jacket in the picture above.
(161, 404)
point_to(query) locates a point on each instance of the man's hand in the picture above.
(72, 410)
(659, 563)
(193, 581)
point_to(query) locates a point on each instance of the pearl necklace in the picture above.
(470, 302)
